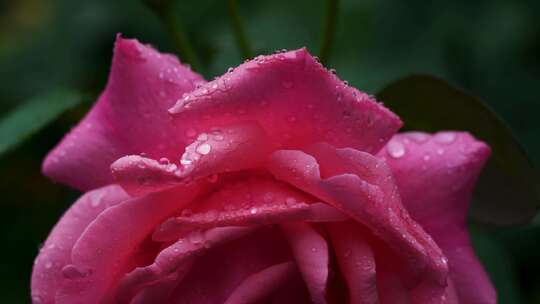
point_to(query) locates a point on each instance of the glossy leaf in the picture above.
(33, 115)
(508, 191)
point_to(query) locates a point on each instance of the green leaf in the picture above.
(508, 191)
(33, 115)
(498, 262)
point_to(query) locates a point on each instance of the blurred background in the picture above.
(489, 48)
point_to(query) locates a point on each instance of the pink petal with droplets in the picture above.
(126, 226)
(228, 149)
(255, 216)
(141, 175)
(261, 285)
(449, 162)
(295, 100)
(251, 202)
(368, 195)
(130, 117)
(55, 255)
(356, 262)
(311, 254)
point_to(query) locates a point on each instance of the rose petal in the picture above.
(381, 211)
(141, 175)
(449, 162)
(356, 262)
(255, 216)
(392, 289)
(295, 100)
(55, 255)
(260, 285)
(130, 117)
(228, 149)
(177, 258)
(126, 226)
(251, 202)
(158, 292)
(219, 272)
(311, 253)
(292, 292)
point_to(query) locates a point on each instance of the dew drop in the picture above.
(268, 197)
(445, 137)
(212, 215)
(202, 137)
(395, 149)
(418, 137)
(196, 237)
(164, 161)
(290, 201)
(186, 213)
(185, 161)
(253, 210)
(204, 149)
(71, 271)
(48, 265)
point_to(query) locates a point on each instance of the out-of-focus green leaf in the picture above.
(508, 191)
(33, 115)
(498, 263)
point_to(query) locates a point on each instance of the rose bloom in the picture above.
(274, 183)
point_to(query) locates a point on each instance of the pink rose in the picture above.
(274, 183)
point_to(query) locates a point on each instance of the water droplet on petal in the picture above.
(212, 215)
(290, 201)
(186, 213)
(164, 161)
(253, 210)
(196, 237)
(445, 137)
(395, 149)
(204, 149)
(418, 137)
(202, 137)
(71, 271)
(268, 197)
(48, 265)
(185, 161)
(36, 299)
